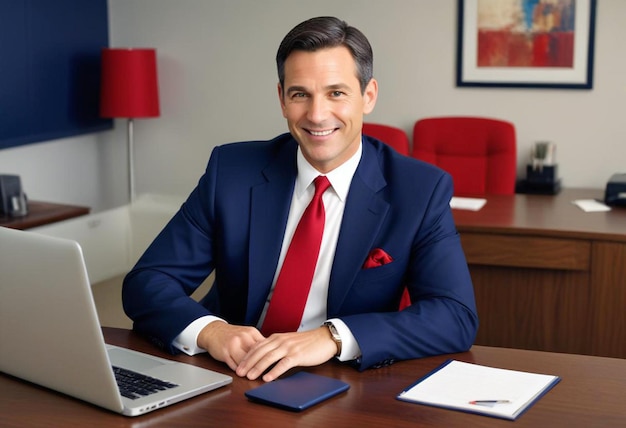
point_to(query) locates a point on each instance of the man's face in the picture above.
(324, 106)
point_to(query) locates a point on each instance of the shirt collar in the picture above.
(340, 177)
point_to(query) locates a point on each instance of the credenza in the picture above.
(547, 275)
(43, 213)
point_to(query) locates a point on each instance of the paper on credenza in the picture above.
(472, 204)
(591, 205)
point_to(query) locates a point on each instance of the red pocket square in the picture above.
(377, 257)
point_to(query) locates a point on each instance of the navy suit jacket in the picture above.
(234, 221)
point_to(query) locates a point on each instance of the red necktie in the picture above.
(294, 280)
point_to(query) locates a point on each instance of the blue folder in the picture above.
(297, 392)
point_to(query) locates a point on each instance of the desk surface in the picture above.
(591, 393)
(547, 215)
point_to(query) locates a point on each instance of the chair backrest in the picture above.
(479, 153)
(390, 135)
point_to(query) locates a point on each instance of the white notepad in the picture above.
(496, 392)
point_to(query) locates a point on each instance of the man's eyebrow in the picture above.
(333, 87)
(292, 89)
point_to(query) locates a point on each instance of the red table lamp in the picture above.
(129, 89)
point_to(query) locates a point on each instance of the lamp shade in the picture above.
(129, 83)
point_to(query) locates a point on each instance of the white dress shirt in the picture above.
(315, 309)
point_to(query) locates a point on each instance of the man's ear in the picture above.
(281, 99)
(370, 95)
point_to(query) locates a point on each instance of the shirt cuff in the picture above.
(350, 349)
(187, 340)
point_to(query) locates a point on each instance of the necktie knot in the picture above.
(321, 185)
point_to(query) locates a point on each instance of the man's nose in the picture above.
(318, 110)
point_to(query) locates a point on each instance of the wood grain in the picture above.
(547, 275)
(590, 394)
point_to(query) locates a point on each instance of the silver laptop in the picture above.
(50, 334)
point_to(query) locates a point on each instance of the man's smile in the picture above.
(320, 133)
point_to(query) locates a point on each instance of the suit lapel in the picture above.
(364, 213)
(269, 211)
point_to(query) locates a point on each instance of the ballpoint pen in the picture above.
(489, 401)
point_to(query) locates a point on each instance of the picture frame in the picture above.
(525, 47)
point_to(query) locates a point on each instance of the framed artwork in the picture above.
(526, 43)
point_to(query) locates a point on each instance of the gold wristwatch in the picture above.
(335, 336)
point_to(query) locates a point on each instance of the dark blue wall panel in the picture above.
(50, 69)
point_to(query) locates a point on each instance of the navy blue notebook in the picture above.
(297, 392)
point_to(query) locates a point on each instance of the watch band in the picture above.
(334, 334)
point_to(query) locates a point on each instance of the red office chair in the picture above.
(390, 135)
(479, 153)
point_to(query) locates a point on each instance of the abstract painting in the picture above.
(526, 43)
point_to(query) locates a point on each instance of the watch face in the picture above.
(333, 330)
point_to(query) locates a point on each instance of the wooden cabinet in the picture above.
(607, 301)
(548, 276)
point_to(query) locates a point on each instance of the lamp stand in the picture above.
(131, 162)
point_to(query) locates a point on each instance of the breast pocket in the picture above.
(379, 288)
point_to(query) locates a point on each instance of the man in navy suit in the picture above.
(388, 227)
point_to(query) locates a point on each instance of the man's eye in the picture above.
(298, 95)
(336, 93)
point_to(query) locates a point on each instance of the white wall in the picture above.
(218, 81)
(218, 84)
(87, 170)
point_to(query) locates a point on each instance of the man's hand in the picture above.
(287, 350)
(228, 343)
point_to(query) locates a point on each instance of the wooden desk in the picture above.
(591, 393)
(41, 213)
(547, 275)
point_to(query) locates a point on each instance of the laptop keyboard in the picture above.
(135, 385)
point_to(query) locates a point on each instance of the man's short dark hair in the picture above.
(327, 32)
